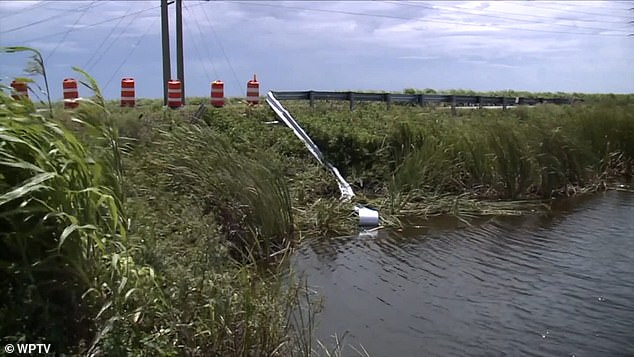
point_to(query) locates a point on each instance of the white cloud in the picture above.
(15, 6)
(421, 58)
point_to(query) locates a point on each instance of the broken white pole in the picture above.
(367, 217)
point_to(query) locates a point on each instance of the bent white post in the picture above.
(367, 216)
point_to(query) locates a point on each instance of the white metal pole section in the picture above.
(367, 216)
(282, 113)
(180, 69)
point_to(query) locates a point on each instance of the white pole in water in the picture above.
(367, 217)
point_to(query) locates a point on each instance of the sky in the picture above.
(567, 46)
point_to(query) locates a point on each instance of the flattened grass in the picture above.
(414, 153)
(396, 158)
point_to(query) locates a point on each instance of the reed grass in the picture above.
(63, 229)
(248, 199)
(411, 154)
(99, 260)
(525, 153)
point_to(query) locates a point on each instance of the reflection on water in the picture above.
(559, 285)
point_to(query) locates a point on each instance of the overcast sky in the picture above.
(332, 45)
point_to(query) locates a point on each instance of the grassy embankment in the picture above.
(413, 160)
(163, 243)
(100, 254)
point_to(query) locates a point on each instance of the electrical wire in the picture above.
(419, 19)
(136, 45)
(95, 24)
(94, 53)
(200, 55)
(115, 40)
(70, 29)
(54, 17)
(21, 12)
(575, 11)
(235, 77)
(491, 14)
(207, 48)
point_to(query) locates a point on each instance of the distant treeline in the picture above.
(586, 97)
(513, 93)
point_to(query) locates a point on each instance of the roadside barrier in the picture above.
(127, 92)
(69, 86)
(174, 92)
(253, 91)
(217, 93)
(21, 90)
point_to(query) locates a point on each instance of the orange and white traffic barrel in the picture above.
(253, 91)
(217, 94)
(21, 90)
(174, 92)
(127, 92)
(69, 86)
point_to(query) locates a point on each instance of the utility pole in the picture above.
(180, 70)
(167, 70)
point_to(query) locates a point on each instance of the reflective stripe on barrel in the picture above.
(127, 92)
(69, 86)
(253, 91)
(174, 93)
(217, 94)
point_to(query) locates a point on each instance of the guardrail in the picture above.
(421, 99)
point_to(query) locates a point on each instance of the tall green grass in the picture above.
(99, 260)
(63, 239)
(418, 159)
(247, 195)
(399, 158)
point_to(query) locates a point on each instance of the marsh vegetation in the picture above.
(155, 231)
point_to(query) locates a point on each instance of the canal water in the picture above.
(561, 285)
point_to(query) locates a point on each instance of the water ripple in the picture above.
(559, 285)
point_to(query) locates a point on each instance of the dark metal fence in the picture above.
(421, 99)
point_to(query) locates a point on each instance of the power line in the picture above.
(417, 19)
(235, 77)
(196, 46)
(115, 40)
(21, 12)
(94, 54)
(54, 17)
(147, 30)
(490, 14)
(95, 24)
(70, 29)
(575, 11)
(199, 53)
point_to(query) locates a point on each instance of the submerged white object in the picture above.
(371, 233)
(367, 216)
